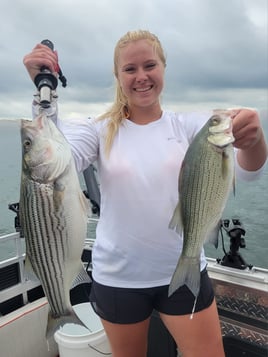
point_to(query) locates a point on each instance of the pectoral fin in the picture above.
(81, 278)
(176, 220)
(29, 271)
(213, 235)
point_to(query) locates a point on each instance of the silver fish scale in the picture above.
(204, 185)
(53, 212)
(202, 194)
(41, 221)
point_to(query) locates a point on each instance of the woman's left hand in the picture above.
(249, 138)
(247, 128)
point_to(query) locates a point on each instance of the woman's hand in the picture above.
(41, 56)
(249, 138)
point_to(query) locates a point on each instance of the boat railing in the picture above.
(14, 281)
(12, 274)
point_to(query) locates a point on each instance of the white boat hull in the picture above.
(22, 332)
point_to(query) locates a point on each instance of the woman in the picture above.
(139, 149)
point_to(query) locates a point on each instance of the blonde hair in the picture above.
(119, 109)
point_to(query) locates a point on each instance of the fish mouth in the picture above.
(220, 130)
(221, 140)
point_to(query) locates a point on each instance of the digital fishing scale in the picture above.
(46, 81)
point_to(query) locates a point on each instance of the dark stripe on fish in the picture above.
(39, 208)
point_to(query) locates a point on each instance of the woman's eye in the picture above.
(147, 67)
(129, 69)
(150, 65)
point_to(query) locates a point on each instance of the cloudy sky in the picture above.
(217, 51)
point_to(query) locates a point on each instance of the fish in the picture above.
(205, 181)
(54, 214)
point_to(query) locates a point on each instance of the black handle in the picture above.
(48, 43)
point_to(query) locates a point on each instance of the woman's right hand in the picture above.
(41, 56)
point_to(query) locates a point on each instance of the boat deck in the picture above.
(242, 300)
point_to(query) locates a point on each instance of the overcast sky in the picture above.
(217, 51)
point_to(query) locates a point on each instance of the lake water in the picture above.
(250, 203)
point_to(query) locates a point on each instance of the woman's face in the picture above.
(140, 74)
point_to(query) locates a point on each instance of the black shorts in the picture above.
(127, 305)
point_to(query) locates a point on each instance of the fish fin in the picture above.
(234, 185)
(58, 195)
(187, 273)
(82, 278)
(53, 324)
(183, 165)
(29, 271)
(176, 220)
(213, 236)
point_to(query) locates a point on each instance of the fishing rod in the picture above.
(46, 82)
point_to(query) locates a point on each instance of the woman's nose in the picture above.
(141, 75)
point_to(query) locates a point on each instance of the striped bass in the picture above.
(53, 213)
(205, 181)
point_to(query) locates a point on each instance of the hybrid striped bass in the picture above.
(53, 213)
(205, 181)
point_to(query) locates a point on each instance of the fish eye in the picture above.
(27, 144)
(215, 120)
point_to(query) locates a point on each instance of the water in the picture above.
(249, 204)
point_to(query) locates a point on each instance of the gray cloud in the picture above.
(216, 50)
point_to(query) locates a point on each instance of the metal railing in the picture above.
(23, 285)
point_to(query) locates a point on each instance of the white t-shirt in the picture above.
(134, 247)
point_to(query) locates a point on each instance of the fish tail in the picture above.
(187, 273)
(54, 323)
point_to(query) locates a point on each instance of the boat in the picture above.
(240, 289)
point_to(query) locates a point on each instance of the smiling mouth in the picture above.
(144, 89)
